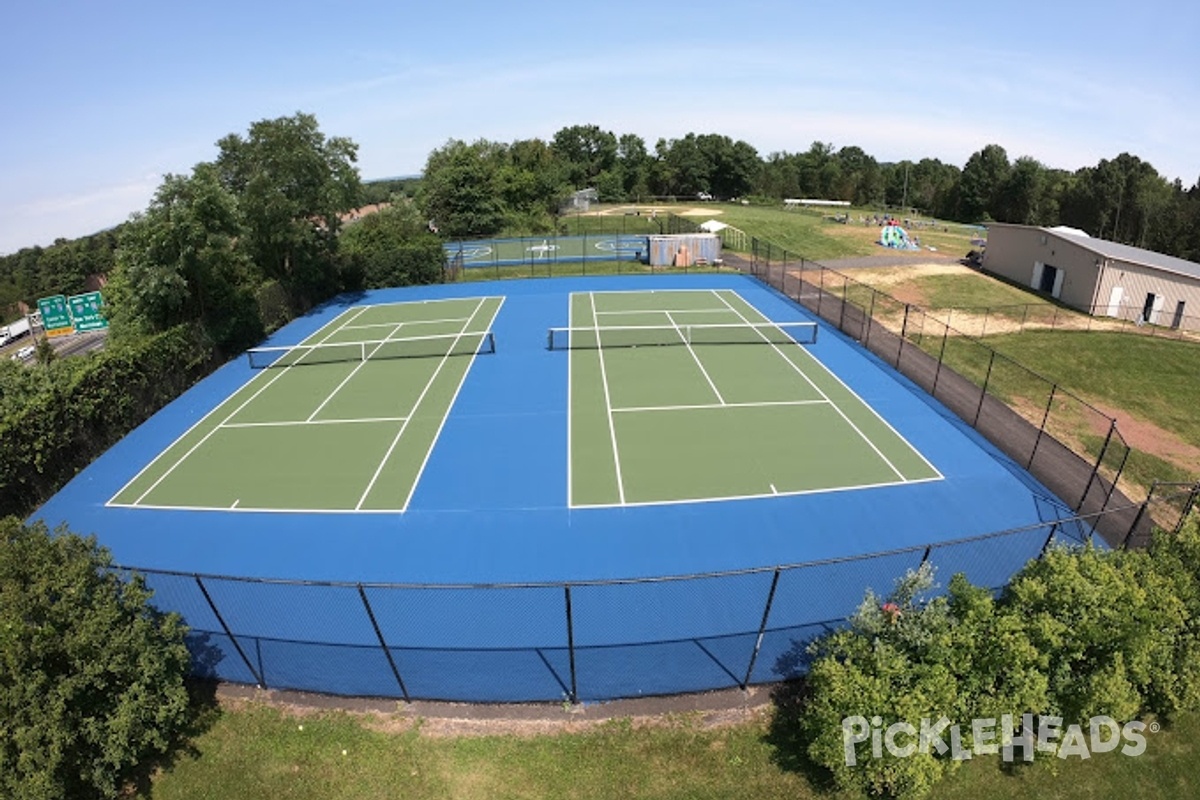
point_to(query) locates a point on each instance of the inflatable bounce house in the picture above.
(895, 237)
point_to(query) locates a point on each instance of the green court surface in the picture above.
(664, 409)
(365, 398)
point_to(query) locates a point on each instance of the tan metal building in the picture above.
(1098, 277)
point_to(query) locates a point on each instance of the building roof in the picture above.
(1119, 252)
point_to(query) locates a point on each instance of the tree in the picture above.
(981, 179)
(182, 261)
(460, 191)
(1021, 197)
(293, 185)
(634, 163)
(91, 675)
(393, 247)
(586, 151)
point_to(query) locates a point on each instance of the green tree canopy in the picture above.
(91, 676)
(293, 185)
(393, 247)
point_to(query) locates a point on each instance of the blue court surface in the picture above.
(488, 584)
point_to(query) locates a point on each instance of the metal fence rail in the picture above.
(600, 640)
(1074, 449)
(579, 641)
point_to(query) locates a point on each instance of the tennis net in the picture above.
(440, 346)
(650, 335)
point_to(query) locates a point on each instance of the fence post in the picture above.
(903, 333)
(869, 320)
(845, 294)
(1049, 539)
(1193, 495)
(762, 629)
(1096, 467)
(987, 379)
(937, 372)
(382, 642)
(1042, 429)
(258, 679)
(820, 291)
(1138, 519)
(571, 643)
(1112, 487)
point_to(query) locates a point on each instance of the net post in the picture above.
(258, 679)
(762, 629)
(383, 643)
(571, 643)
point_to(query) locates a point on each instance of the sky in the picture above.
(101, 100)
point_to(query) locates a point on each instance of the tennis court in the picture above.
(376, 503)
(344, 421)
(687, 396)
(548, 250)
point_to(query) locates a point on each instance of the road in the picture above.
(63, 345)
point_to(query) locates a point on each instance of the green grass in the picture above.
(970, 291)
(811, 235)
(259, 752)
(1155, 379)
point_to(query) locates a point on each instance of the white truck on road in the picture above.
(14, 331)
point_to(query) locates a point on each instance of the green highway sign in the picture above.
(86, 313)
(56, 317)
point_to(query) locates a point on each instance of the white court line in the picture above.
(446, 320)
(700, 406)
(219, 406)
(666, 311)
(253, 509)
(396, 326)
(449, 406)
(413, 411)
(612, 430)
(570, 381)
(298, 423)
(820, 364)
(736, 497)
(835, 406)
(695, 357)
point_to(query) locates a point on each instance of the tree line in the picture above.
(485, 188)
(265, 225)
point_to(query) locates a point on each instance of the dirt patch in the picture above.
(1143, 435)
(649, 210)
(705, 710)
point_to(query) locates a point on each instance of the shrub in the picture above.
(91, 675)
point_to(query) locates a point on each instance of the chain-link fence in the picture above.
(580, 641)
(1074, 449)
(1019, 317)
(600, 640)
